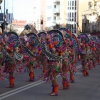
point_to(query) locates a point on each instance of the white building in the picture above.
(71, 15)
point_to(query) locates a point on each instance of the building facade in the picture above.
(89, 12)
(71, 15)
(52, 14)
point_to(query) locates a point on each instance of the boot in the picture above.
(65, 85)
(72, 80)
(44, 71)
(31, 75)
(85, 73)
(55, 93)
(11, 80)
(98, 61)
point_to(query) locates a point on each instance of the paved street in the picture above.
(84, 88)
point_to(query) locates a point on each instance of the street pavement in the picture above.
(84, 88)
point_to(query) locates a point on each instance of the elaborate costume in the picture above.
(11, 43)
(32, 48)
(85, 53)
(42, 57)
(54, 50)
(2, 75)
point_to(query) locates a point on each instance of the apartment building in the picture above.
(37, 14)
(80, 12)
(52, 14)
(71, 15)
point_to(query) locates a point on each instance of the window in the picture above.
(75, 3)
(96, 4)
(68, 3)
(72, 8)
(70, 15)
(49, 7)
(54, 6)
(72, 3)
(75, 14)
(89, 5)
(48, 18)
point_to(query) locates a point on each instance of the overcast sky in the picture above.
(22, 9)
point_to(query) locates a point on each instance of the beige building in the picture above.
(88, 12)
(63, 11)
(81, 15)
(52, 14)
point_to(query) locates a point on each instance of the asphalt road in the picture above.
(84, 88)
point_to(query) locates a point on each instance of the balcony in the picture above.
(57, 21)
(56, 1)
(56, 10)
(54, 21)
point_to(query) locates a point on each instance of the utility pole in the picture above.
(4, 23)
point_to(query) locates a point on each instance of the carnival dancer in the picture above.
(93, 55)
(54, 52)
(11, 39)
(10, 66)
(68, 39)
(65, 69)
(95, 45)
(50, 49)
(85, 53)
(2, 75)
(72, 66)
(42, 57)
(98, 52)
(31, 59)
(74, 49)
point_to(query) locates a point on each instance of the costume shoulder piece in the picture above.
(33, 39)
(50, 49)
(11, 42)
(84, 37)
